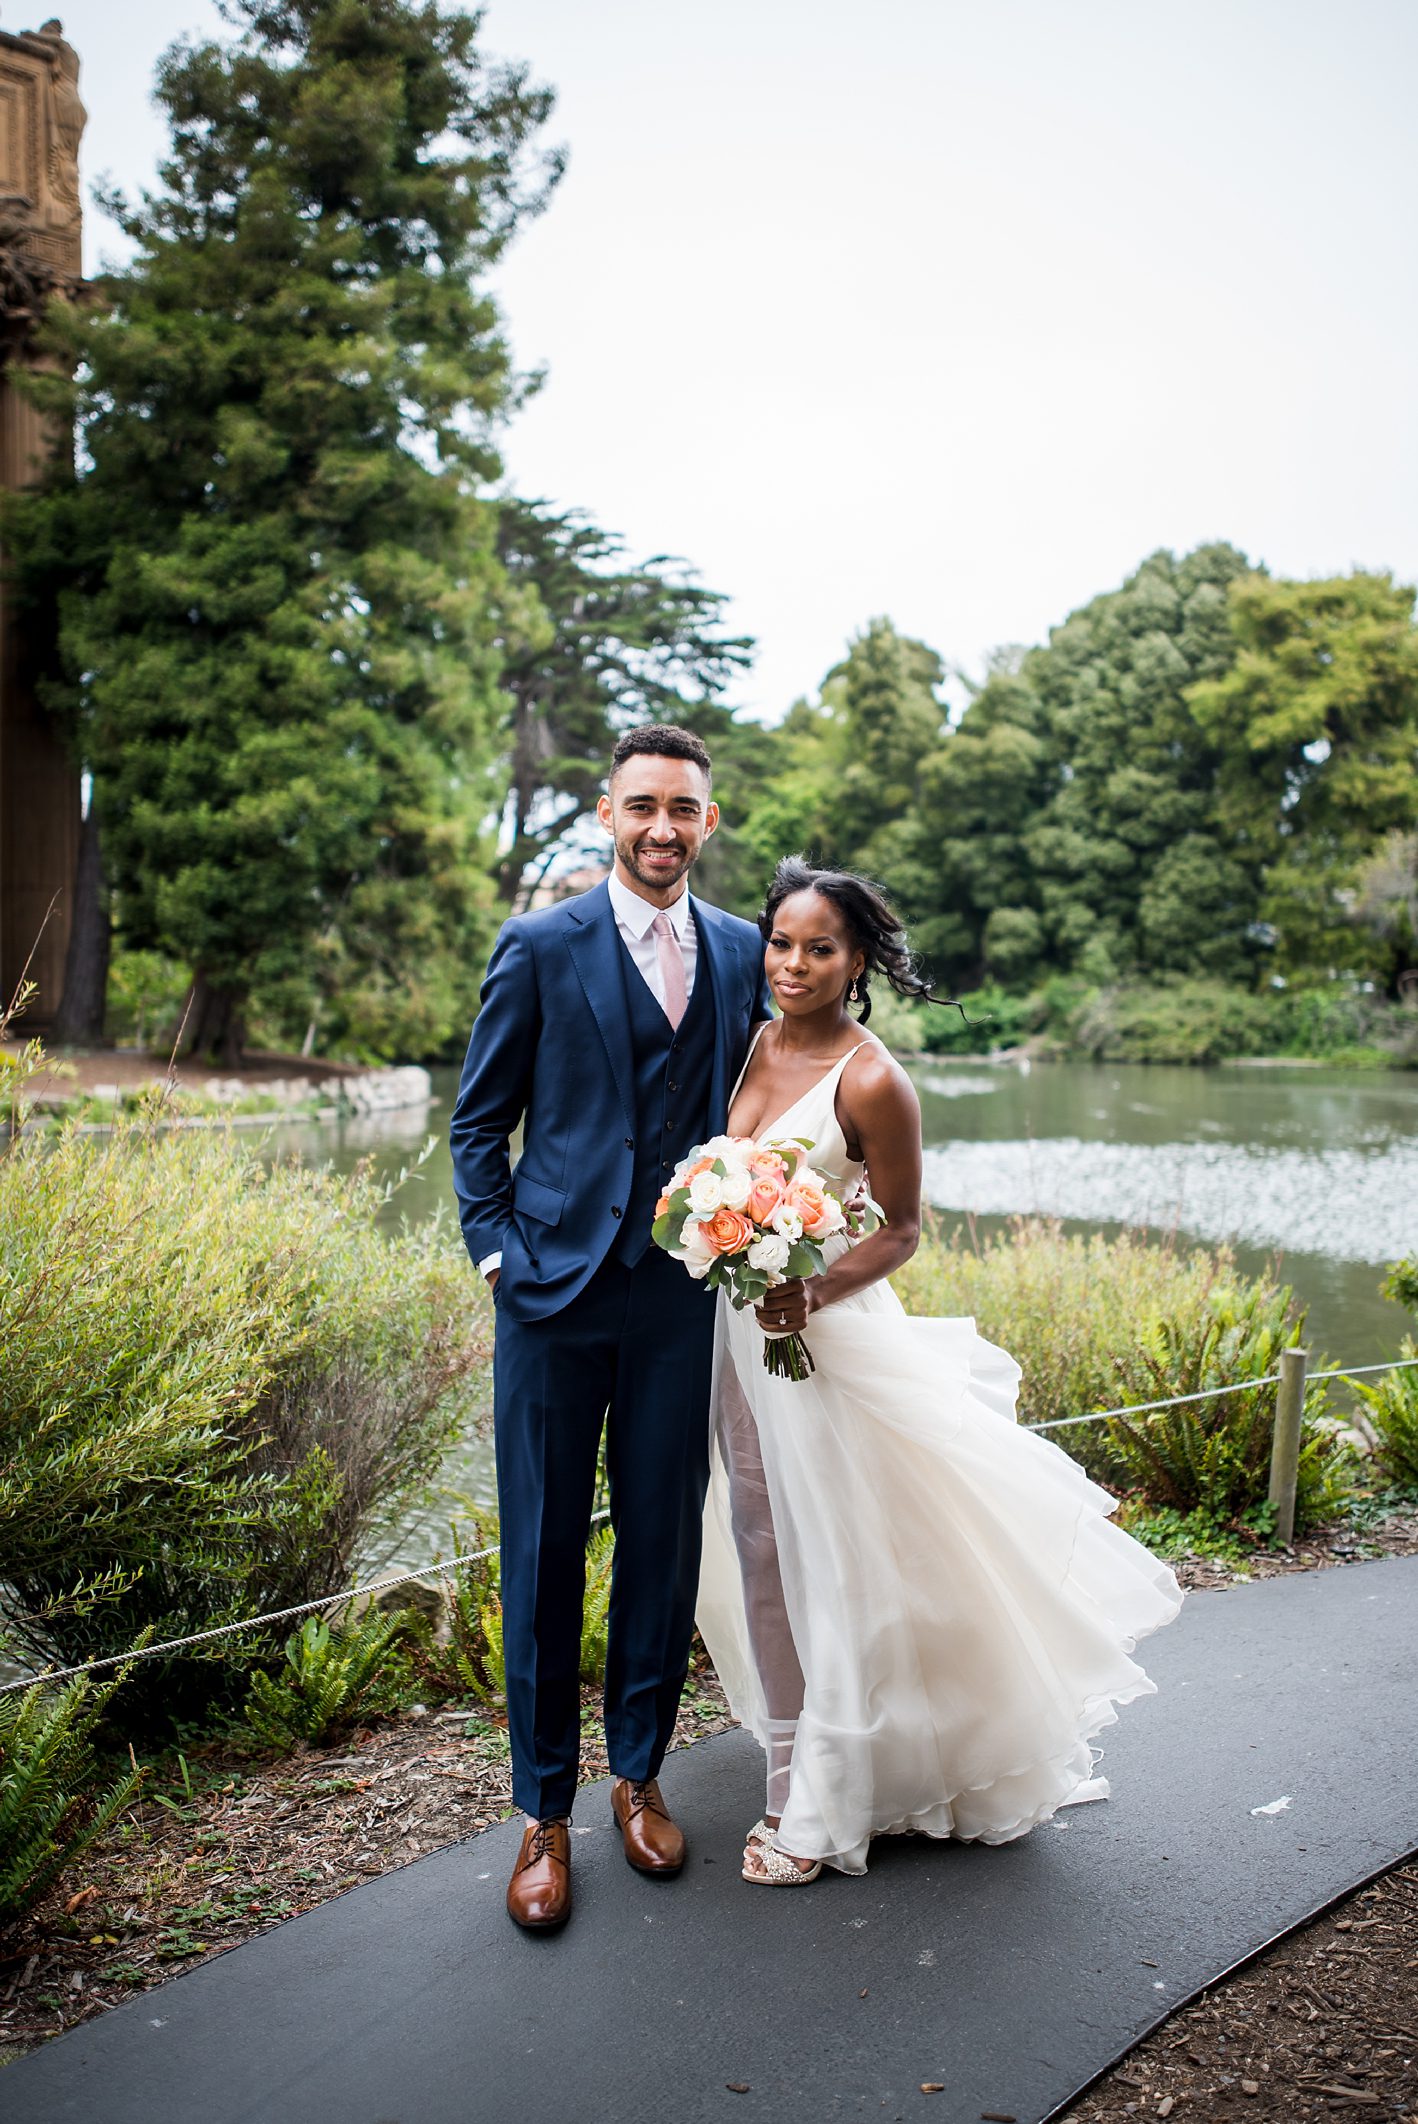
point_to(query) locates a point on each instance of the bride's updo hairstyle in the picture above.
(872, 923)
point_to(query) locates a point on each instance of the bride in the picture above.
(922, 1612)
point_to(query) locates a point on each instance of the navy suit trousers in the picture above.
(633, 1351)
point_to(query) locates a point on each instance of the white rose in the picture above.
(697, 1257)
(788, 1222)
(770, 1253)
(736, 1187)
(834, 1218)
(725, 1147)
(706, 1194)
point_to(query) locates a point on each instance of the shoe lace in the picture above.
(541, 1844)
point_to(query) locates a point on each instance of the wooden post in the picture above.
(1285, 1445)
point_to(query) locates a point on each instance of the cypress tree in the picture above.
(276, 565)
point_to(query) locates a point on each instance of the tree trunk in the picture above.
(79, 1019)
(216, 1026)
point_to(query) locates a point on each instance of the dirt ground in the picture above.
(224, 1845)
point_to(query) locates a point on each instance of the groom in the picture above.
(612, 1028)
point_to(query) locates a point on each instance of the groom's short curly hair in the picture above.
(665, 739)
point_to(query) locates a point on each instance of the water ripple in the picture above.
(1338, 1202)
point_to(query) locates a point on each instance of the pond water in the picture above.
(1313, 1169)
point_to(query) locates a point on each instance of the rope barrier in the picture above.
(253, 1622)
(455, 1563)
(1236, 1386)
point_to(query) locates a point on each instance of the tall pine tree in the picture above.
(278, 583)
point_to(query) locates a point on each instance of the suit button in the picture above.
(615, 1209)
(673, 1087)
(666, 1165)
(669, 1128)
(630, 1143)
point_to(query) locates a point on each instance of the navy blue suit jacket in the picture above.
(550, 1052)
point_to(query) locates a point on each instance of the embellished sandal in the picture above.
(779, 1871)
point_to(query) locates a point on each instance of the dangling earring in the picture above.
(852, 991)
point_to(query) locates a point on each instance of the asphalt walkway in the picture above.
(1274, 1771)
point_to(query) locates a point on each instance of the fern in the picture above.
(331, 1674)
(1391, 1402)
(51, 1805)
(1213, 1457)
(595, 1613)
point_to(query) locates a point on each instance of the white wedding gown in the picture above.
(922, 1612)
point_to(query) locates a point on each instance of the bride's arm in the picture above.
(879, 1108)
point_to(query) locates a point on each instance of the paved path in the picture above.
(1012, 1975)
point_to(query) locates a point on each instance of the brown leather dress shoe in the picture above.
(653, 1843)
(539, 1892)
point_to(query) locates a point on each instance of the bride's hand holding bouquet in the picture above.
(751, 1219)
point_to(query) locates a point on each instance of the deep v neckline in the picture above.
(764, 1130)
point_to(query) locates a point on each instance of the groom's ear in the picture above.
(604, 812)
(711, 817)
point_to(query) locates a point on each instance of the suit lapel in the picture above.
(594, 944)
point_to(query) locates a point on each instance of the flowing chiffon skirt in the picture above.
(924, 1613)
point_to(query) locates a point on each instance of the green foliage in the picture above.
(590, 644)
(275, 573)
(53, 1799)
(595, 1610)
(1391, 1405)
(331, 1674)
(1065, 1306)
(1191, 1021)
(146, 994)
(1201, 775)
(470, 1660)
(1391, 1398)
(1098, 1322)
(1213, 1457)
(217, 1381)
(1316, 730)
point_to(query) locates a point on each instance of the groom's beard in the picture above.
(659, 876)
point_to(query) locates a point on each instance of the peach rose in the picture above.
(768, 1165)
(764, 1197)
(727, 1231)
(811, 1205)
(662, 1207)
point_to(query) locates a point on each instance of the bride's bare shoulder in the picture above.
(874, 1083)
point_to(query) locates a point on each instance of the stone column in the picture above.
(41, 122)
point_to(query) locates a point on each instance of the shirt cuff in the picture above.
(488, 1263)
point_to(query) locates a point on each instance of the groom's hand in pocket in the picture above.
(786, 1308)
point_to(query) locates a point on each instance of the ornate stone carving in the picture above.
(42, 119)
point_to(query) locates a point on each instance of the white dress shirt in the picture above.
(634, 919)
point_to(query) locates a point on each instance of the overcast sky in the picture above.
(949, 311)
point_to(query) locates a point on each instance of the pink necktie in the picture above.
(671, 959)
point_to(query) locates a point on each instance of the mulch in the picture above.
(223, 1845)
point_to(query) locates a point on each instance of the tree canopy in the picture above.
(277, 573)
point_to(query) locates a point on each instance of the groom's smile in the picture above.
(659, 813)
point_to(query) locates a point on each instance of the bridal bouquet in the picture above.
(745, 1216)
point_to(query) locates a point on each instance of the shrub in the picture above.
(217, 1380)
(1391, 1404)
(1067, 1306)
(332, 1671)
(1189, 1021)
(1099, 1322)
(1391, 1399)
(53, 1803)
(471, 1662)
(1212, 1458)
